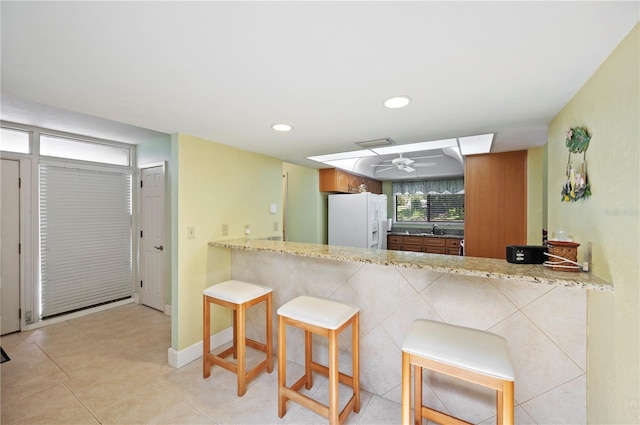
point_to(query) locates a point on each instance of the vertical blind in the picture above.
(85, 238)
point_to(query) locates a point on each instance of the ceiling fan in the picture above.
(405, 164)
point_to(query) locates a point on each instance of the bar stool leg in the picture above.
(235, 334)
(333, 379)
(417, 395)
(507, 403)
(241, 352)
(355, 360)
(206, 329)
(308, 358)
(282, 366)
(406, 389)
(269, 321)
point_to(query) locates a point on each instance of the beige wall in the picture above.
(217, 185)
(608, 105)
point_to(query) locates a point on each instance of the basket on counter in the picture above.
(568, 250)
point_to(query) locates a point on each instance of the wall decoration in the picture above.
(577, 185)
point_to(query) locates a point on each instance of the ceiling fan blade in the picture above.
(384, 169)
(424, 164)
(408, 169)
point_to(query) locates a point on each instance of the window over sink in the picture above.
(433, 201)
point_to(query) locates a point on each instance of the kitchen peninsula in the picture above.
(541, 313)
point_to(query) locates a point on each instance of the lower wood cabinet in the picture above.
(450, 246)
(394, 242)
(453, 246)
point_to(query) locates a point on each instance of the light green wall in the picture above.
(217, 184)
(535, 205)
(155, 152)
(305, 218)
(608, 105)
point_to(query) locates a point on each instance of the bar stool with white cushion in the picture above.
(238, 296)
(326, 318)
(468, 354)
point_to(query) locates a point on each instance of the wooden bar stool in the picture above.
(326, 318)
(238, 296)
(468, 354)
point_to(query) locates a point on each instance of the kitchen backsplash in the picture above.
(448, 229)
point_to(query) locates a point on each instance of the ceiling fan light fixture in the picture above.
(281, 127)
(397, 102)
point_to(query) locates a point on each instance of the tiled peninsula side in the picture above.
(541, 313)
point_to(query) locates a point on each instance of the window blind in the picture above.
(85, 238)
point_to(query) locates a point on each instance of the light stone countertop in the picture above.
(471, 266)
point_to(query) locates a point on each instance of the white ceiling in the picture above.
(225, 71)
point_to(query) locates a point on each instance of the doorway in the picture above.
(153, 252)
(10, 241)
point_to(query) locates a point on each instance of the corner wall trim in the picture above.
(181, 358)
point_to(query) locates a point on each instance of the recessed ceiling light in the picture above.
(397, 102)
(281, 127)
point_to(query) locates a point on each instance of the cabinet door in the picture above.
(374, 186)
(354, 184)
(394, 242)
(495, 203)
(412, 243)
(435, 245)
(342, 181)
(435, 249)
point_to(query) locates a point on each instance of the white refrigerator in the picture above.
(358, 220)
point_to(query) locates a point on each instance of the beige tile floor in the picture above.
(111, 368)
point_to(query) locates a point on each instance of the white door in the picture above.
(152, 240)
(10, 242)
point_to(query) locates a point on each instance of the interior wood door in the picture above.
(495, 203)
(10, 243)
(152, 241)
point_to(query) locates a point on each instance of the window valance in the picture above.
(426, 187)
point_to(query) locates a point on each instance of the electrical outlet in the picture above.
(225, 230)
(247, 229)
(191, 232)
(275, 226)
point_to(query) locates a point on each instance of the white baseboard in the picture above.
(181, 358)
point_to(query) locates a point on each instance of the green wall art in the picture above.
(577, 185)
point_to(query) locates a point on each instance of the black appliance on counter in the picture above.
(526, 254)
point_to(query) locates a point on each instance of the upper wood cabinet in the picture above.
(495, 187)
(336, 180)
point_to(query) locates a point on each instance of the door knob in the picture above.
(159, 248)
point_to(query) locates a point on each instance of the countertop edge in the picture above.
(468, 266)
